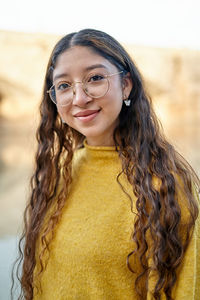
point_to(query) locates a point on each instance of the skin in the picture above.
(72, 66)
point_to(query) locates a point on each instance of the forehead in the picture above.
(78, 60)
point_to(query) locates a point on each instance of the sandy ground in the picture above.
(16, 160)
(8, 250)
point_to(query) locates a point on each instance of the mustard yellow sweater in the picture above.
(93, 238)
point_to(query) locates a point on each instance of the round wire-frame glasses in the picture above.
(95, 89)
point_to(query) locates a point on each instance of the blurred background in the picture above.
(163, 37)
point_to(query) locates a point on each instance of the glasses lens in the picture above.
(62, 94)
(52, 94)
(96, 85)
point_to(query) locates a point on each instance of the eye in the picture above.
(96, 77)
(63, 86)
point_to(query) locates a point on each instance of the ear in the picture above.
(127, 85)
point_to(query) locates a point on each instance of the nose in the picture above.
(80, 97)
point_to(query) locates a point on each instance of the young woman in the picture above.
(113, 211)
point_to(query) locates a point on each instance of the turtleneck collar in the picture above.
(98, 152)
(97, 148)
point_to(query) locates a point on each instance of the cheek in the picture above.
(66, 116)
(117, 91)
(115, 97)
(63, 112)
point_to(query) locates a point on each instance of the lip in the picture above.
(87, 115)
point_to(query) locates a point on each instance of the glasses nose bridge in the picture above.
(74, 86)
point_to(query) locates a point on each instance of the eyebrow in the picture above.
(95, 67)
(90, 68)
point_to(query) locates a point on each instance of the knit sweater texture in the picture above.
(87, 258)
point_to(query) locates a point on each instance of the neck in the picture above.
(100, 141)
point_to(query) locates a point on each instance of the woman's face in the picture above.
(95, 118)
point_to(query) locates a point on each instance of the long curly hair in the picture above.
(145, 156)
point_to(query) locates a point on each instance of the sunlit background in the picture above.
(163, 37)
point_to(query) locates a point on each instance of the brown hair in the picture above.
(145, 155)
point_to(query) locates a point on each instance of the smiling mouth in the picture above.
(87, 115)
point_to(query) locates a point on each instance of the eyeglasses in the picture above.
(95, 85)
